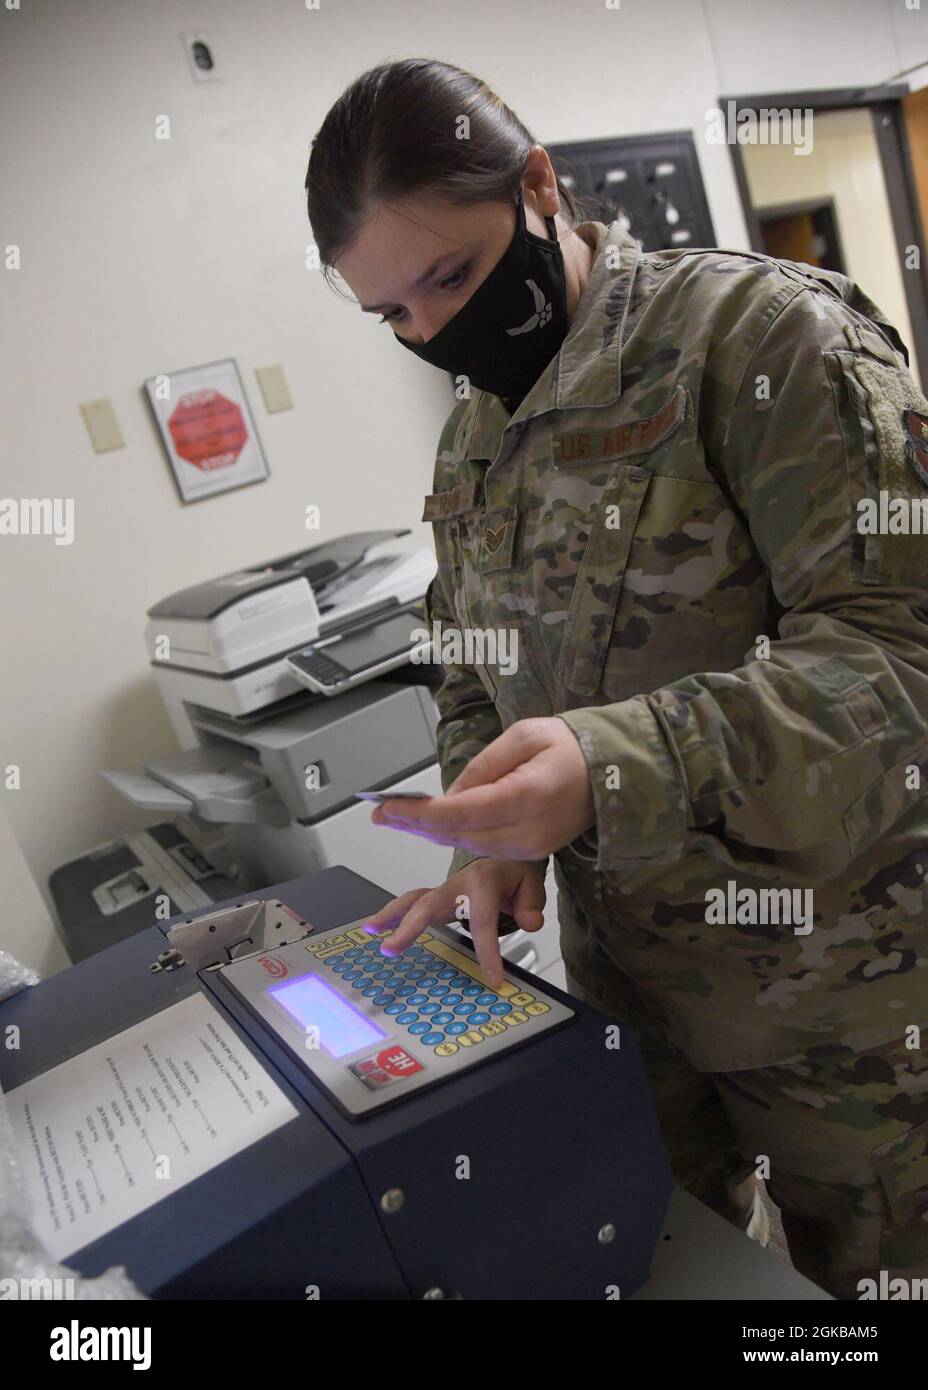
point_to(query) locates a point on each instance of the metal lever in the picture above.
(218, 938)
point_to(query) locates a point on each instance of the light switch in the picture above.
(274, 389)
(102, 426)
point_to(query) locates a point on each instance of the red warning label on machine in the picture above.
(389, 1064)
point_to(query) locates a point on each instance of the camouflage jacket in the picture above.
(683, 481)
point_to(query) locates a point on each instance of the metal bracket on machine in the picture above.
(217, 938)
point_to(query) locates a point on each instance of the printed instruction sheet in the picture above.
(123, 1125)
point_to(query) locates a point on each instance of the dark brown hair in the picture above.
(394, 131)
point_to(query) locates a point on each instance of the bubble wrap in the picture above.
(23, 1258)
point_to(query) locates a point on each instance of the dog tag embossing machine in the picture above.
(393, 1128)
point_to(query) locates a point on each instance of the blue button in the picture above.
(500, 1008)
(371, 991)
(487, 998)
(353, 974)
(448, 973)
(450, 999)
(419, 1028)
(463, 1009)
(407, 1018)
(383, 974)
(354, 953)
(395, 1009)
(405, 990)
(342, 967)
(461, 981)
(436, 989)
(416, 972)
(364, 981)
(442, 1018)
(453, 1029)
(383, 999)
(430, 1039)
(416, 999)
(333, 960)
(472, 991)
(415, 952)
(475, 1019)
(393, 982)
(430, 1008)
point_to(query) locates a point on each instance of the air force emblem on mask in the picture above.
(541, 316)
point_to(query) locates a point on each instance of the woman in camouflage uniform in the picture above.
(669, 477)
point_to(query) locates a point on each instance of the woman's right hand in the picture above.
(479, 892)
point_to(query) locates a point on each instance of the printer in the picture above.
(223, 645)
(275, 765)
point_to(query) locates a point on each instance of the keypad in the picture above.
(431, 992)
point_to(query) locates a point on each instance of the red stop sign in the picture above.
(208, 430)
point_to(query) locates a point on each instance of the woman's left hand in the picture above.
(524, 796)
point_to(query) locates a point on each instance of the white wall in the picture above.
(140, 256)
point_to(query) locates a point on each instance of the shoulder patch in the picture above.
(916, 443)
(892, 519)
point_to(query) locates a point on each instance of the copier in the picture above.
(264, 758)
(274, 766)
(253, 1101)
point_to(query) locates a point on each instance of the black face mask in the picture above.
(506, 334)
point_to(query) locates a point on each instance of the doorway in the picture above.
(854, 198)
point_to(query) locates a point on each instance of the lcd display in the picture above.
(314, 1004)
(360, 650)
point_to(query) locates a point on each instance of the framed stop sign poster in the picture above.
(207, 429)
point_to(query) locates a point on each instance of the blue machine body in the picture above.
(558, 1133)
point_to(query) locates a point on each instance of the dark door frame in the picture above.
(885, 104)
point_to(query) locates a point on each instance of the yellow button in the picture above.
(470, 1038)
(519, 999)
(426, 936)
(446, 1049)
(515, 1018)
(492, 1030)
(537, 1008)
